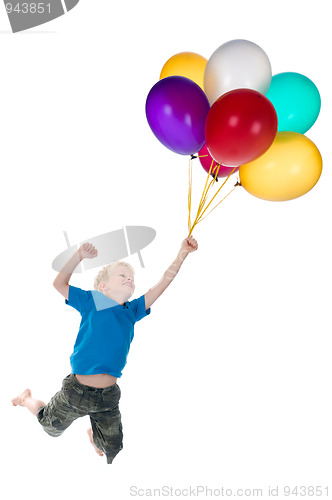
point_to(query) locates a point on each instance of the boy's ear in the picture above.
(102, 286)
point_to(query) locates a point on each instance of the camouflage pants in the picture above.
(75, 400)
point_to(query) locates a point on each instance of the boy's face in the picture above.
(121, 281)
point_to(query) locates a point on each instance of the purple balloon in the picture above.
(176, 109)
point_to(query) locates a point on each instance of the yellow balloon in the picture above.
(289, 169)
(186, 64)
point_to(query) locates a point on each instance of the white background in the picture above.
(228, 382)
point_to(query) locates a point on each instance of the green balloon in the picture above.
(296, 100)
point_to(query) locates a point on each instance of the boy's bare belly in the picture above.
(101, 380)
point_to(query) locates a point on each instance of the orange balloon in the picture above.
(187, 64)
(288, 169)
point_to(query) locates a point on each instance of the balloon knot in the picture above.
(238, 184)
(193, 157)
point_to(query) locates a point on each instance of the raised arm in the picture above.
(188, 245)
(61, 282)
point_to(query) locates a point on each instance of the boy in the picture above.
(101, 349)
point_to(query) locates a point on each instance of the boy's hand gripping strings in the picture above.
(189, 245)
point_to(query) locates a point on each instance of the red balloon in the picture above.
(240, 126)
(206, 159)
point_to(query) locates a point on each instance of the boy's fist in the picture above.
(189, 244)
(87, 251)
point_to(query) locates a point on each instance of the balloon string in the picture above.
(189, 193)
(202, 201)
(201, 206)
(224, 198)
(206, 189)
(233, 170)
(204, 194)
(200, 211)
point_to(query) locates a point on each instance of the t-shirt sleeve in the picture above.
(138, 306)
(78, 299)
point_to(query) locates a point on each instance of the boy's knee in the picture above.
(53, 432)
(53, 427)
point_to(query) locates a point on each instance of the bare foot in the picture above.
(20, 400)
(97, 450)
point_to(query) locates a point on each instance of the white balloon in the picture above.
(237, 64)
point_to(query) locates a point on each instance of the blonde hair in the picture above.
(105, 272)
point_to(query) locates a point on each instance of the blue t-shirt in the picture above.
(106, 331)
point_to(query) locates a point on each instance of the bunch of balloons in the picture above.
(232, 113)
